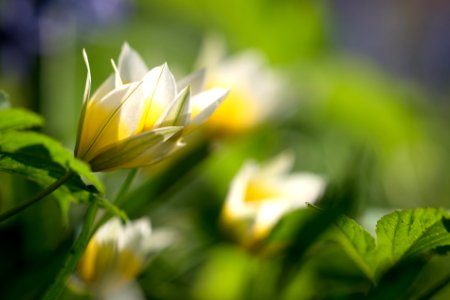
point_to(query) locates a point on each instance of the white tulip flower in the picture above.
(255, 88)
(117, 253)
(138, 116)
(259, 196)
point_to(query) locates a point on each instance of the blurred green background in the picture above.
(372, 76)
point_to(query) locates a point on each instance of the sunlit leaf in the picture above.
(401, 236)
(406, 232)
(436, 236)
(43, 160)
(39, 151)
(17, 118)
(358, 243)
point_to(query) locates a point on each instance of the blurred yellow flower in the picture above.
(138, 116)
(255, 89)
(118, 253)
(259, 196)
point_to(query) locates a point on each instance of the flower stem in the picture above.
(78, 247)
(118, 198)
(125, 186)
(12, 212)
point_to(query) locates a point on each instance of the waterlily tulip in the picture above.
(255, 88)
(139, 116)
(259, 196)
(117, 253)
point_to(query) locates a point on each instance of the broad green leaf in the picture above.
(72, 191)
(43, 160)
(401, 235)
(35, 150)
(436, 236)
(358, 243)
(406, 231)
(17, 118)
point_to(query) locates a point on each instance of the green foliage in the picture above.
(31, 150)
(16, 119)
(399, 231)
(358, 243)
(41, 159)
(401, 236)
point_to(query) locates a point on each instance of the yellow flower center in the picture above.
(260, 190)
(237, 113)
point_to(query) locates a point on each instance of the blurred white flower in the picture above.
(117, 253)
(255, 88)
(138, 116)
(259, 196)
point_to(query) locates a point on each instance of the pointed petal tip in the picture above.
(86, 61)
(125, 46)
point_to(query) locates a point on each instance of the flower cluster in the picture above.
(139, 116)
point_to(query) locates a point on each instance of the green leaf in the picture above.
(17, 118)
(435, 237)
(401, 235)
(74, 190)
(404, 233)
(39, 151)
(43, 160)
(358, 244)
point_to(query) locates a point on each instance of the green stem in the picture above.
(78, 247)
(125, 186)
(118, 198)
(12, 212)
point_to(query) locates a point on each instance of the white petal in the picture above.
(106, 87)
(129, 153)
(136, 233)
(196, 80)
(114, 118)
(159, 84)
(87, 88)
(159, 93)
(87, 93)
(117, 77)
(302, 188)
(249, 73)
(213, 50)
(178, 113)
(156, 152)
(268, 215)
(235, 204)
(131, 66)
(110, 231)
(279, 165)
(206, 103)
